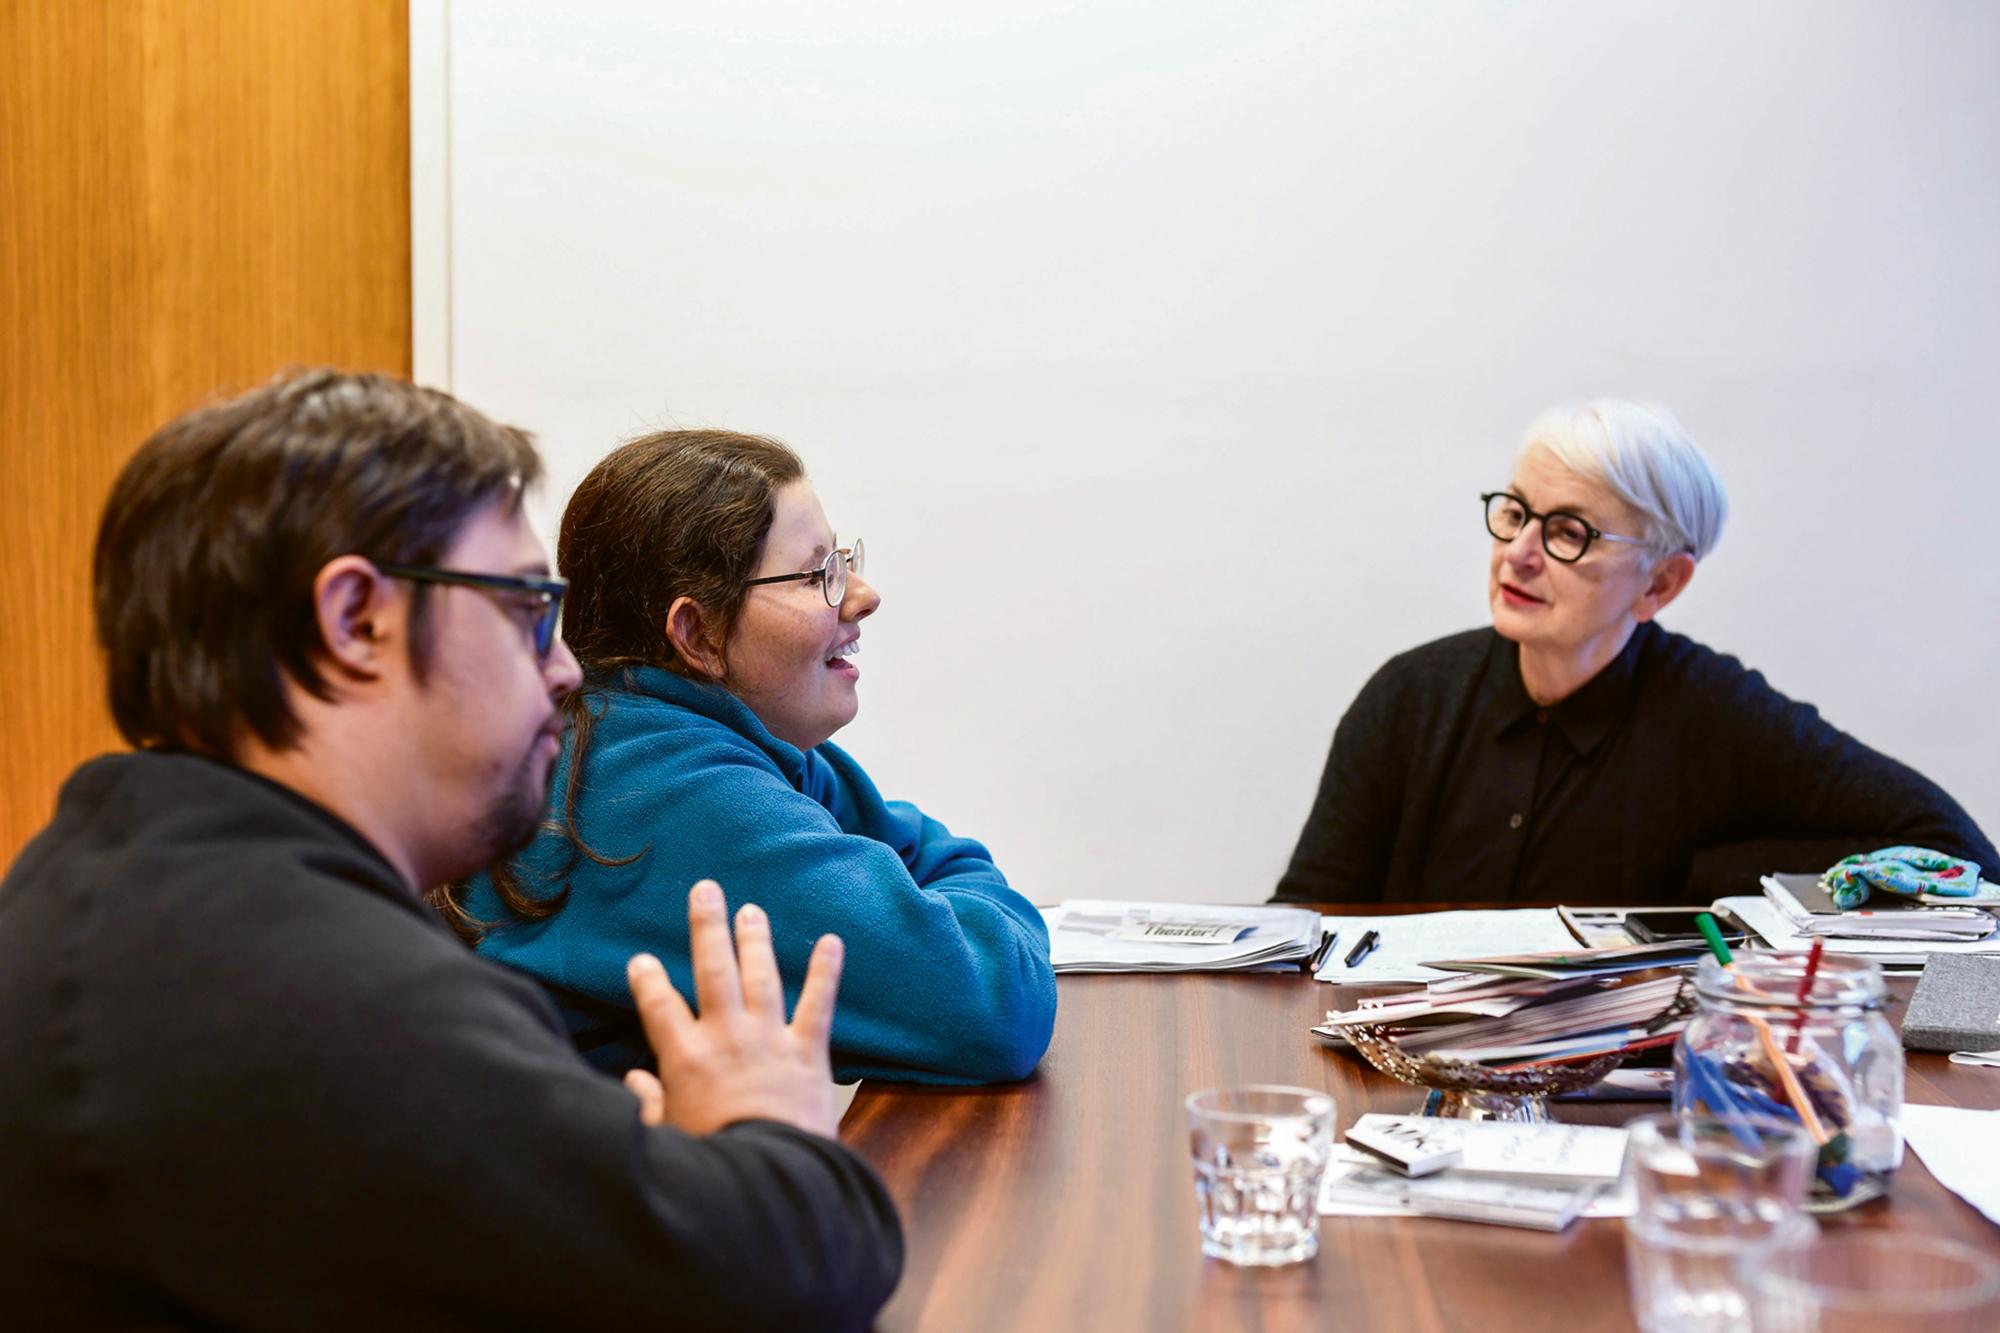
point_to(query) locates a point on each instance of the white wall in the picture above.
(1160, 350)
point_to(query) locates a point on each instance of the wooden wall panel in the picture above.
(194, 194)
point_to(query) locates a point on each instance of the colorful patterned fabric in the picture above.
(1910, 871)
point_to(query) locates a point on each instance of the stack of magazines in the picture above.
(1534, 1009)
(1090, 935)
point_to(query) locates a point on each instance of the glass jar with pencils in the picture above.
(1801, 1037)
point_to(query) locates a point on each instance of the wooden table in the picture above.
(1066, 1202)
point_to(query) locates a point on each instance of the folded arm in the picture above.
(947, 976)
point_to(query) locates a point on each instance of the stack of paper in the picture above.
(1540, 1176)
(1092, 935)
(1939, 924)
(1808, 910)
(1779, 931)
(1511, 1023)
(1559, 964)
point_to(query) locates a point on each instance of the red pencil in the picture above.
(1805, 990)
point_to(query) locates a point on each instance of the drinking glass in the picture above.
(1707, 1193)
(1853, 1281)
(1259, 1153)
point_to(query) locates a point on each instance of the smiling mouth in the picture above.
(1519, 595)
(839, 659)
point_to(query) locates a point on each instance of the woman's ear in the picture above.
(354, 606)
(1670, 576)
(692, 632)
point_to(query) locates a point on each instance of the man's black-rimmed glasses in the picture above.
(832, 575)
(1565, 536)
(546, 592)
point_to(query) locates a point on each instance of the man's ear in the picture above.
(693, 633)
(1670, 576)
(358, 614)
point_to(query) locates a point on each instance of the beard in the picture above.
(514, 817)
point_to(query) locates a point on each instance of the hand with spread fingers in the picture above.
(740, 1060)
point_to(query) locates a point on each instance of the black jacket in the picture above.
(247, 1079)
(1697, 777)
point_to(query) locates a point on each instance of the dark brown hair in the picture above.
(217, 528)
(678, 513)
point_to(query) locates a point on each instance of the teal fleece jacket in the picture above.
(947, 976)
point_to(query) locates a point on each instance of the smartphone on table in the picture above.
(1658, 925)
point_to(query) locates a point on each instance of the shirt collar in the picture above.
(1585, 718)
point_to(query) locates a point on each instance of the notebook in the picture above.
(1957, 1005)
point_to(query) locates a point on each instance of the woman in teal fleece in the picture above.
(717, 619)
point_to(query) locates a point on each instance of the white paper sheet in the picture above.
(1957, 1145)
(1409, 941)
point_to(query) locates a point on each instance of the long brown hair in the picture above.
(677, 513)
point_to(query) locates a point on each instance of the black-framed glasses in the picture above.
(832, 575)
(546, 592)
(1565, 536)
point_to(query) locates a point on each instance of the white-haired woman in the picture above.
(1579, 752)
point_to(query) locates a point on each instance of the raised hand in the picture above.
(740, 1060)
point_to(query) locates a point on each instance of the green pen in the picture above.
(1713, 934)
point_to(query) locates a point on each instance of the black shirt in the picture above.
(1674, 775)
(1519, 772)
(247, 1080)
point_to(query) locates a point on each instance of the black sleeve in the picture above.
(1808, 794)
(1344, 851)
(432, 1155)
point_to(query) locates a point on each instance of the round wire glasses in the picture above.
(832, 575)
(1565, 536)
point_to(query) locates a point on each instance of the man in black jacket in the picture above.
(247, 1078)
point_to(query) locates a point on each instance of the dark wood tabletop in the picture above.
(1066, 1201)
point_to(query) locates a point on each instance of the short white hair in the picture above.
(1644, 456)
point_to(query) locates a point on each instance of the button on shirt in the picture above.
(1509, 816)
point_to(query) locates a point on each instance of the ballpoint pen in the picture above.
(1326, 939)
(1363, 947)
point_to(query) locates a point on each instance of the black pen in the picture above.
(1363, 947)
(1326, 939)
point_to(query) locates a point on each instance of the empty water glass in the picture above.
(1259, 1154)
(1707, 1193)
(1856, 1281)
